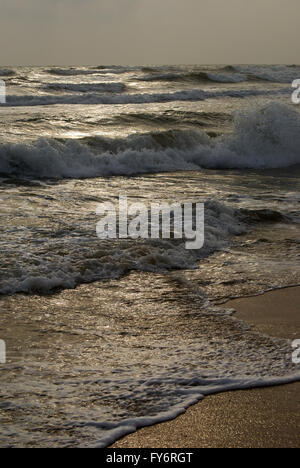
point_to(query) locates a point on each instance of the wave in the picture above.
(143, 98)
(72, 260)
(266, 216)
(99, 70)
(71, 71)
(263, 137)
(117, 69)
(161, 77)
(87, 87)
(226, 78)
(195, 76)
(7, 72)
(200, 119)
(275, 74)
(228, 74)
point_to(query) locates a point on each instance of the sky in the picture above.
(137, 32)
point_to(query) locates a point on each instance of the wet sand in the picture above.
(257, 418)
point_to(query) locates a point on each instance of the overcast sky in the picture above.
(88, 32)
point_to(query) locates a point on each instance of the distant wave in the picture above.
(71, 71)
(143, 98)
(6, 72)
(265, 137)
(226, 78)
(90, 71)
(117, 69)
(87, 87)
(194, 77)
(228, 74)
(275, 74)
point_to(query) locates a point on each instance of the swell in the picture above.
(143, 98)
(7, 72)
(228, 74)
(275, 73)
(195, 77)
(99, 70)
(86, 87)
(200, 119)
(267, 216)
(70, 71)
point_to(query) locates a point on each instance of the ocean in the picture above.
(106, 336)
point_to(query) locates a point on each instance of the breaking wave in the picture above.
(75, 260)
(265, 137)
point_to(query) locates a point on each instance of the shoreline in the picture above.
(267, 417)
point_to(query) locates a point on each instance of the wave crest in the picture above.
(265, 137)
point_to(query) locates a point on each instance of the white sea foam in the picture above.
(112, 432)
(265, 137)
(88, 259)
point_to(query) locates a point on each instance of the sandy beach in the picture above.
(257, 418)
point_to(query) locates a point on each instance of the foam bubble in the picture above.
(86, 258)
